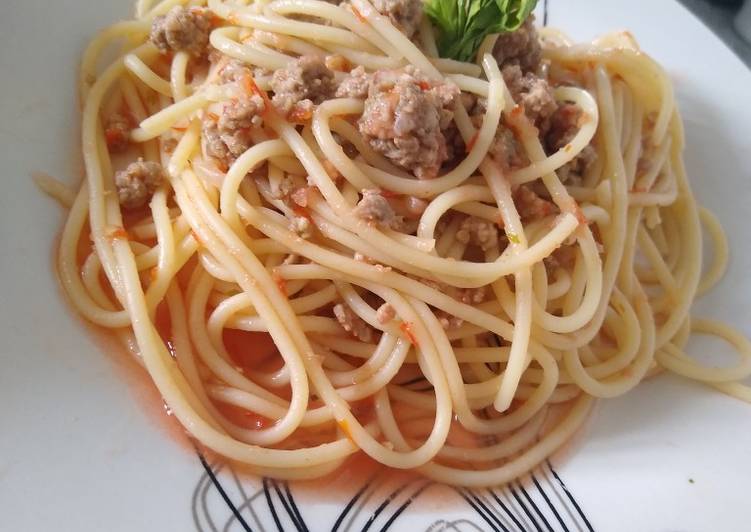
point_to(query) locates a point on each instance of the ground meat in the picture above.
(352, 323)
(306, 78)
(564, 125)
(182, 29)
(404, 14)
(227, 146)
(230, 136)
(376, 210)
(385, 313)
(234, 71)
(242, 113)
(473, 296)
(531, 206)
(301, 226)
(456, 149)
(355, 85)
(520, 47)
(404, 117)
(138, 182)
(478, 232)
(531, 92)
(301, 196)
(506, 148)
(117, 132)
(449, 322)
(287, 187)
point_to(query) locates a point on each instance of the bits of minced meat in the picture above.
(228, 137)
(306, 78)
(564, 125)
(473, 296)
(375, 209)
(301, 226)
(531, 206)
(506, 148)
(478, 232)
(234, 71)
(404, 14)
(352, 323)
(448, 321)
(225, 146)
(385, 313)
(355, 85)
(531, 92)
(404, 117)
(182, 29)
(242, 113)
(137, 183)
(520, 47)
(117, 132)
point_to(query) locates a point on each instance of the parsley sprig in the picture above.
(463, 24)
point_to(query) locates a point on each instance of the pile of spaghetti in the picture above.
(323, 234)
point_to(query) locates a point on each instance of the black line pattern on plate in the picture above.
(570, 496)
(552, 507)
(350, 505)
(223, 494)
(223, 501)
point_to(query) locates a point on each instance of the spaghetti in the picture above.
(317, 299)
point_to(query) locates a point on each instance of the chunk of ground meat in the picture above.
(137, 183)
(385, 313)
(478, 232)
(531, 92)
(301, 226)
(182, 29)
(564, 125)
(229, 137)
(306, 78)
(506, 148)
(404, 117)
(376, 210)
(352, 323)
(520, 47)
(117, 132)
(456, 149)
(355, 85)
(225, 146)
(234, 71)
(243, 113)
(404, 14)
(285, 189)
(531, 206)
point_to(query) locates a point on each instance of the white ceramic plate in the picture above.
(83, 448)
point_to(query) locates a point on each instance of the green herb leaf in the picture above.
(463, 24)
